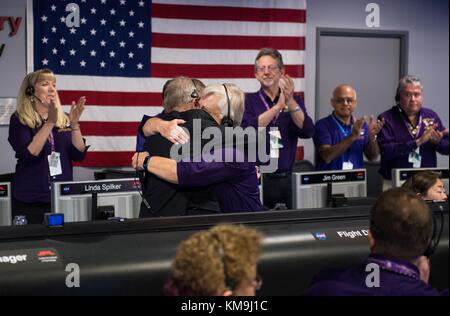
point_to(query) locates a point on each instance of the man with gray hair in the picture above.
(234, 182)
(179, 94)
(275, 106)
(412, 134)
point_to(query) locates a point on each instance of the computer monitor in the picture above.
(119, 197)
(5, 203)
(399, 176)
(309, 189)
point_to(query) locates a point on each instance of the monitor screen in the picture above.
(399, 176)
(5, 203)
(309, 189)
(120, 198)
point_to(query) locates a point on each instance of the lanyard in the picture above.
(389, 265)
(410, 127)
(341, 128)
(51, 140)
(263, 99)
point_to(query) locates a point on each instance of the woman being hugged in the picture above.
(46, 141)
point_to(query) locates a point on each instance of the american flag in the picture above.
(119, 54)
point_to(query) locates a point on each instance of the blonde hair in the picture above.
(235, 96)
(25, 105)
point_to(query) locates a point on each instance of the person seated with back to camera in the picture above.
(235, 183)
(428, 185)
(400, 239)
(215, 262)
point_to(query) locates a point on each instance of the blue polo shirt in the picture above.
(331, 131)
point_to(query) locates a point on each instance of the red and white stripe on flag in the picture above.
(215, 41)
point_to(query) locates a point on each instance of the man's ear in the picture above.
(372, 242)
(227, 293)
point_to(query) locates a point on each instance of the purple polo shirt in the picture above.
(32, 179)
(396, 142)
(331, 131)
(290, 133)
(352, 282)
(235, 183)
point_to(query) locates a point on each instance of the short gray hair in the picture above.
(178, 91)
(408, 79)
(272, 52)
(236, 96)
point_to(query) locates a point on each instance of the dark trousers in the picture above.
(277, 188)
(34, 212)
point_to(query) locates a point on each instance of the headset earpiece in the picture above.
(194, 94)
(30, 91)
(226, 120)
(436, 233)
(229, 284)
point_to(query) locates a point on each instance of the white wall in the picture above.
(427, 23)
(426, 20)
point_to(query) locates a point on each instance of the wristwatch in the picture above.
(297, 108)
(145, 164)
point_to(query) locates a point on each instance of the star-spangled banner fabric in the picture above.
(119, 54)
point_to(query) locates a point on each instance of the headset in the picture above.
(194, 94)
(140, 175)
(30, 89)
(397, 95)
(437, 232)
(226, 120)
(229, 284)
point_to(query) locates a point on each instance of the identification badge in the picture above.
(347, 165)
(415, 158)
(54, 164)
(275, 144)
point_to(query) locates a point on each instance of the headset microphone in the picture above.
(226, 120)
(31, 92)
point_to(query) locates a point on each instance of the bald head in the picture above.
(343, 89)
(344, 102)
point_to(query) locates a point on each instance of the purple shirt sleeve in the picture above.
(308, 125)
(442, 148)
(32, 180)
(391, 146)
(20, 136)
(250, 117)
(206, 173)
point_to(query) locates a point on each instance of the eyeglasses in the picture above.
(343, 100)
(409, 95)
(270, 68)
(257, 282)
